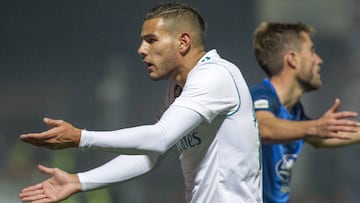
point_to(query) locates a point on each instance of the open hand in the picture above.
(59, 186)
(334, 121)
(62, 135)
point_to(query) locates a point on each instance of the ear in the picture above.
(291, 59)
(184, 42)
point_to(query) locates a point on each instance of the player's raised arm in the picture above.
(276, 130)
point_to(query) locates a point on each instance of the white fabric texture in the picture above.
(121, 168)
(145, 139)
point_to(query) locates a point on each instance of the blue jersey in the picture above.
(278, 159)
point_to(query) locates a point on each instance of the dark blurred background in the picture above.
(77, 60)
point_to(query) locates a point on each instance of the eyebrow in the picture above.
(148, 36)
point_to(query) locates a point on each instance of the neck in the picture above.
(288, 91)
(189, 62)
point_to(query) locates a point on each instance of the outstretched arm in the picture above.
(275, 130)
(62, 185)
(172, 126)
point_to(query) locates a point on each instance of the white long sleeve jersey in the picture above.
(214, 127)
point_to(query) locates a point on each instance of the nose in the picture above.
(142, 49)
(319, 59)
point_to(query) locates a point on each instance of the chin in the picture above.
(154, 78)
(313, 87)
(157, 78)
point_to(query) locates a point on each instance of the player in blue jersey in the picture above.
(286, 53)
(209, 117)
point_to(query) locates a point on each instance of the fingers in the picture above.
(47, 133)
(36, 139)
(33, 193)
(39, 138)
(344, 125)
(345, 114)
(340, 120)
(39, 198)
(37, 193)
(32, 188)
(341, 136)
(29, 136)
(343, 128)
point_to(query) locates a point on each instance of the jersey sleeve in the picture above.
(264, 99)
(119, 169)
(158, 138)
(210, 90)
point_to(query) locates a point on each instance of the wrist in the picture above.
(77, 137)
(311, 128)
(76, 182)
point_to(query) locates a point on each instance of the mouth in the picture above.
(149, 66)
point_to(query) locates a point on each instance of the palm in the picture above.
(57, 187)
(60, 186)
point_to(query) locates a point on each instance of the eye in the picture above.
(313, 50)
(150, 39)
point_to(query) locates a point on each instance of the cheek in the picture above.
(170, 54)
(163, 50)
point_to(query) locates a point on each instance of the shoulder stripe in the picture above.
(261, 104)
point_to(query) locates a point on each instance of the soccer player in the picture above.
(211, 121)
(285, 51)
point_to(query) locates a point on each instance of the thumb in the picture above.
(335, 107)
(51, 122)
(45, 170)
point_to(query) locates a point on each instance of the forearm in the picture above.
(172, 126)
(125, 141)
(274, 130)
(123, 167)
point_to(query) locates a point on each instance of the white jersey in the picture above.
(220, 158)
(212, 123)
